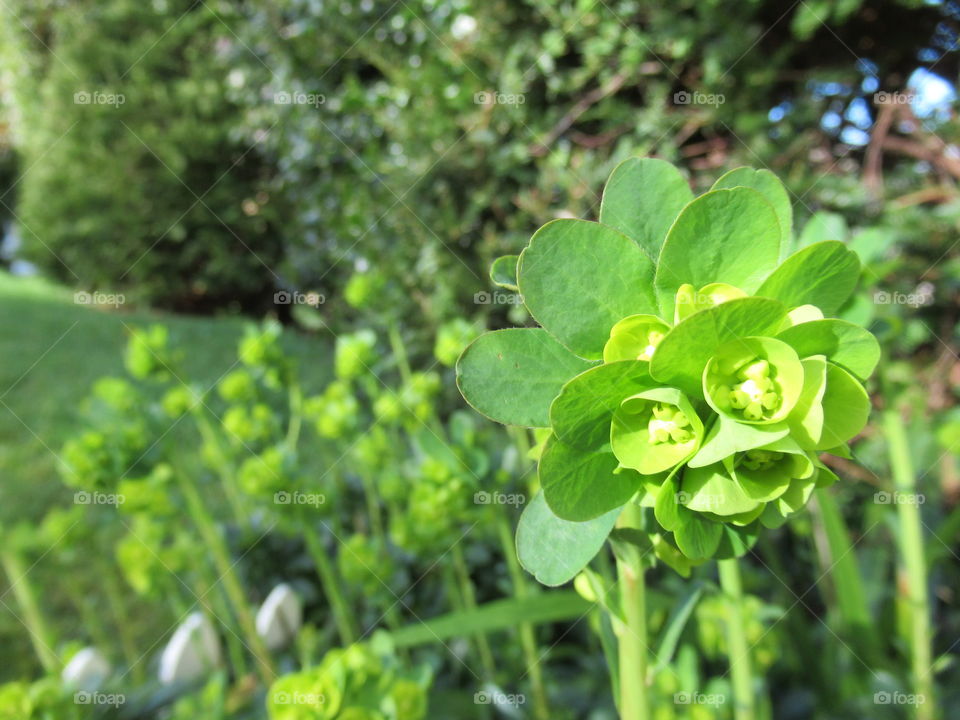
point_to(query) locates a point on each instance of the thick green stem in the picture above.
(41, 635)
(228, 577)
(632, 635)
(741, 675)
(914, 562)
(528, 638)
(330, 582)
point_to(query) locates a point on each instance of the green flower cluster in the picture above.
(364, 563)
(686, 361)
(359, 682)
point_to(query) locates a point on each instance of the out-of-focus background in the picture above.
(244, 242)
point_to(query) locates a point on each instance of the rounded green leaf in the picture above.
(806, 419)
(666, 508)
(689, 300)
(580, 485)
(728, 236)
(823, 274)
(766, 473)
(737, 541)
(768, 185)
(579, 278)
(554, 550)
(684, 352)
(711, 489)
(727, 436)
(655, 430)
(581, 414)
(696, 536)
(846, 407)
(503, 272)
(754, 380)
(642, 198)
(845, 344)
(823, 226)
(512, 376)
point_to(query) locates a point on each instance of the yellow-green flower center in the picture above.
(760, 459)
(668, 424)
(653, 339)
(757, 392)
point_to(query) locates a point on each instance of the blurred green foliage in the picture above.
(264, 145)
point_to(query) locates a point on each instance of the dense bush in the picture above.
(133, 180)
(423, 138)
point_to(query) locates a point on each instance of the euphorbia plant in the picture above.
(685, 363)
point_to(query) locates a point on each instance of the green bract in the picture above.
(655, 431)
(679, 365)
(753, 380)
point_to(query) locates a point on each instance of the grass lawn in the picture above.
(51, 351)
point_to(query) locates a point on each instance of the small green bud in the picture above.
(636, 337)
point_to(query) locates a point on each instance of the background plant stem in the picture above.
(329, 581)
(741, 675)
(41, 635)
(469, 596)
(231, 583)
(914, 561)
(528, 638)
(840, 563)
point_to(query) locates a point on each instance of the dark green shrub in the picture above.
(134, 182)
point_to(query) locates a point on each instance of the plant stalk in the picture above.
(528, 638)
(41, 635)
(330, 582)
(632, 635)
(840, 561)
(914, 562)
(231, 583)
(399, 352)
(741, 675)
(470, 602)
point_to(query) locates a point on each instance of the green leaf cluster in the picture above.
(681, 363)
